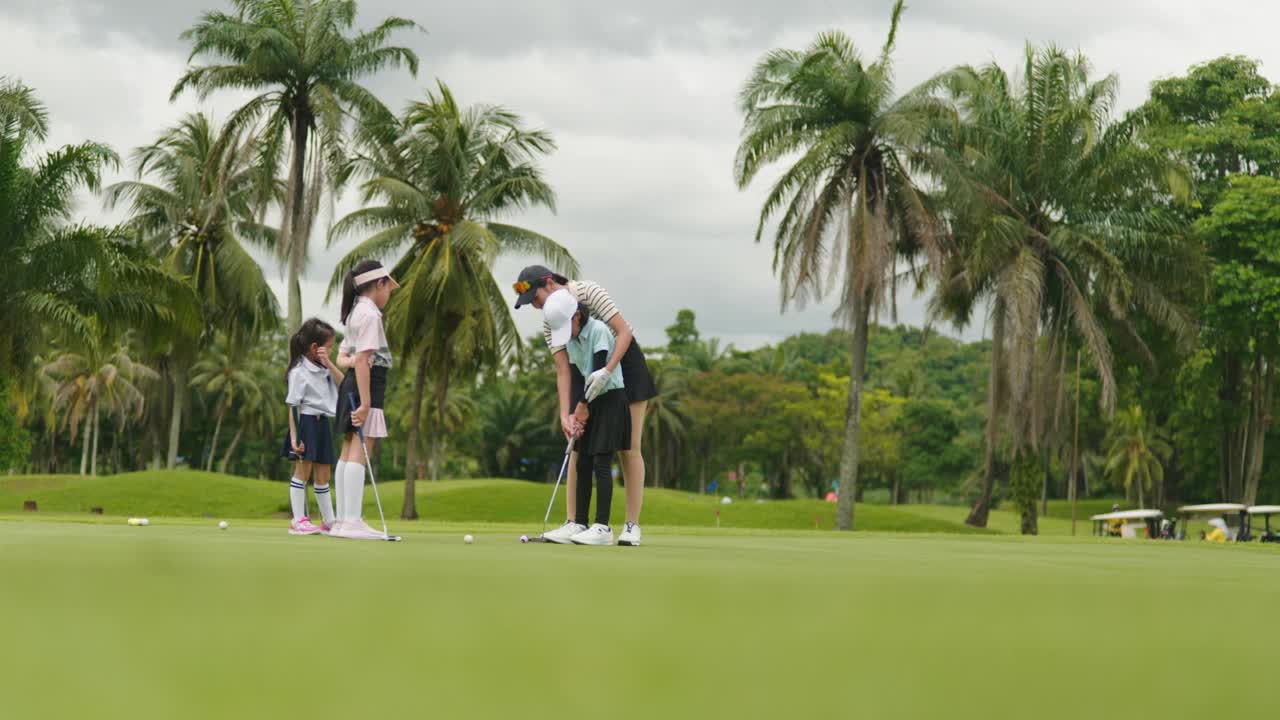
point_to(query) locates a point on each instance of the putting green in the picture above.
(181, 620)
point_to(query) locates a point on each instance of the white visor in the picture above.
(558, 311)
(365, 278)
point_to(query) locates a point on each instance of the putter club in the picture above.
(369, 464)
(563, 466)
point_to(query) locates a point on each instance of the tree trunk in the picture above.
(982, 507)
(175, 420)
(409, 508)
(231, 450)
(1048, 475)
(1259, 423)
(84, 448)
(296, 223)
(217, 430)
(93, 454)
(853, 417)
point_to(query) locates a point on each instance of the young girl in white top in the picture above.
(365, 292)
(312, 400)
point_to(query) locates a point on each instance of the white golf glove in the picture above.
(596, 384)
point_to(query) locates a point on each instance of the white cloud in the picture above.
(641, 99)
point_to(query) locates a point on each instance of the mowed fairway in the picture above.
(185, 621)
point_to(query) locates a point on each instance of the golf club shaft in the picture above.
(296, 412)
(369, 464)
(567, 451)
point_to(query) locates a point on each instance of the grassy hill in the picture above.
(191, 494)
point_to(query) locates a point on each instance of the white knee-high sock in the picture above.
(354, 490)
(324, 499)
(298, 498)
(339, 481)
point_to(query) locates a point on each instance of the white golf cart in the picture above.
(1233, 514)
(1130, 523)
(1265, 512)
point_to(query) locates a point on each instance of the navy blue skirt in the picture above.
(316, 434)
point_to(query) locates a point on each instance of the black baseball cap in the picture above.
(532, 278)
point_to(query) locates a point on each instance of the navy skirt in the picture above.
(316, 434)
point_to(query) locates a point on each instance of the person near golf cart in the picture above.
(1218, 533)
(365, 292)
(312, 399)
(602, 413)
(534, 286)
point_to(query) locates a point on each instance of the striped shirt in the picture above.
(592, 297)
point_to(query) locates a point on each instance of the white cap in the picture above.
(558, 311)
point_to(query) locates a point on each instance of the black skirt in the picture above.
(609, 427)
(316, 435)
(349, 396)
(635, 375)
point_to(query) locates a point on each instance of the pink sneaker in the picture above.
(303, 526)
(326, 528)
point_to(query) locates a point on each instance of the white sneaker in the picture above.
(357, 530)
(630, 535)
(563, 535)
(595, 535)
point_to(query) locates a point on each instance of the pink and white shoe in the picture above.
(326, 528)
(303, 526)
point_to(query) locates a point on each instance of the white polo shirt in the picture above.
(366, 334)
(312, 390)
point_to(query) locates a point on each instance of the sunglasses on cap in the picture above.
(523, 286)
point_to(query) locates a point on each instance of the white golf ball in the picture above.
(468, 539)
(222, 525)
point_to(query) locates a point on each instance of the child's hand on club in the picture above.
(359, 416)
(580, 417)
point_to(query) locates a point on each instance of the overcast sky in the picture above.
(640, 98)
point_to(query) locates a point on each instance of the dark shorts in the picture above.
(315, 432)
(350, 391)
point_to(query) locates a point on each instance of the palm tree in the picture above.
(304, 57)
(101, 376)
(511, 423)
(261, 408)
(1137, 451)
(230, 382)
(1055, 211)
(848, 206)
(667, 427)
(441, 176)
(44, 256)
(192, 204)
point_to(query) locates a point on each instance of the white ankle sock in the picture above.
(298, 498)
(354, 490)
(339, 481)
(324, 499)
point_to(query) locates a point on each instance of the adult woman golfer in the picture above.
(533, 286)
